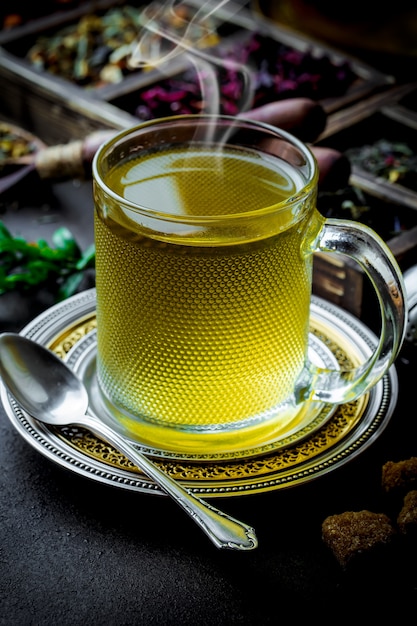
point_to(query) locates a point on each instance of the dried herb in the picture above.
(97, 49)
(352, 203)
(349, 203)
(27, 266)
(278, 71)
(13, 145)
(394, 161)
(82, 52)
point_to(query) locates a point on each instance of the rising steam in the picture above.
(171, 30)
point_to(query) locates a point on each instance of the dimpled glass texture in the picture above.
(200, 336)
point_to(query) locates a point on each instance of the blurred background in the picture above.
(382, 34)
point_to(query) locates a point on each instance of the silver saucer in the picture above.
(336, 434)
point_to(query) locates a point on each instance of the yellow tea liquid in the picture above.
(195, 332)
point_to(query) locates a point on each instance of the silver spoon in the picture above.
(48, 390)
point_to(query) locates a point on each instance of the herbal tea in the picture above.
(204, 335)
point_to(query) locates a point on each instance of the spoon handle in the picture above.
(224, 530)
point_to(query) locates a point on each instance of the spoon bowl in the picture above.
(50, 392)
(44, 386)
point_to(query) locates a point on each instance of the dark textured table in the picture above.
(75, 551)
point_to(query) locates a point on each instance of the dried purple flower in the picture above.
(277, 72)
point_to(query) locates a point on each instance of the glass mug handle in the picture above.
(360, 243)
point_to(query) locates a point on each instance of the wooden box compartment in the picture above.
(47, 104)
(365, 124)
(59, 109)
(390, 208)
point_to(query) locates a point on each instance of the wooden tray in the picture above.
(58, 110)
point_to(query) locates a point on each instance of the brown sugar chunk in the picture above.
(400, 477)
(353, 535)
(407, 517)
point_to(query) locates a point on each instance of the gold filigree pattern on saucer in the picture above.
(70, 336)
(269, 464)
(331, 433)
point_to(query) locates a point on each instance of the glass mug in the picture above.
(205, 229)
